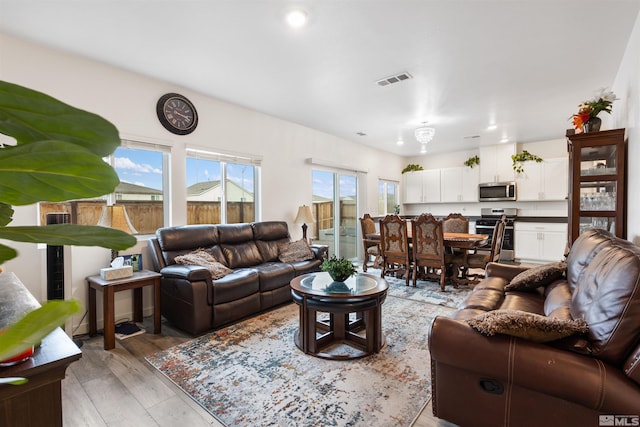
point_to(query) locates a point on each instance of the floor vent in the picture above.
(394, 79)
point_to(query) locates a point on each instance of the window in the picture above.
(142, 190)
(334, 210)
(387, 197)
(221, 188)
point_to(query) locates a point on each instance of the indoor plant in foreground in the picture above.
(57, 156)
(340, 269)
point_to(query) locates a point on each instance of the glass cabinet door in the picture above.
(597, 194)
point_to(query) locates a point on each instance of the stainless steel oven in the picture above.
(487, 222)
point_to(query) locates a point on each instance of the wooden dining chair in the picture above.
(455, 223)
(371, 246)
(394, 246)
(480, 260)
(429, 257)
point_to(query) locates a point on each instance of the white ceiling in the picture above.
(521, 64)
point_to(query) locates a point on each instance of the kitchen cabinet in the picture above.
(459, 184)
(597, 188)
(422, 186)
(540, 242)
(548, 180)
(496, 164)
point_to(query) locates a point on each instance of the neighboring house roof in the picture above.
(128, 188)
(201, 187)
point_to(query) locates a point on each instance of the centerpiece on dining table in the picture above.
(340, 269)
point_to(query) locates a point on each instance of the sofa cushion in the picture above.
(235, 286)
(240, 255)
(535, 277)
(558, 300)
(531, 302)
(294, 251)
(205, 259)
(606, 293)
(530, 326)
(274, 275)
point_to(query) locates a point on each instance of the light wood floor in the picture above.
(119, 388)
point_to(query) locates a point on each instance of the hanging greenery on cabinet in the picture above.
(412, 168)
(472, 161)
(520, 158)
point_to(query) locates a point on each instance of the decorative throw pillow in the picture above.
(530, 326)
(294, 251)
(204, 259)
(535, 277)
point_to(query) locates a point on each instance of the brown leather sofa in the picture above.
(194, 302)
(502, 380)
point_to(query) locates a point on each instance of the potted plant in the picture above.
(587, 119)
(57, 156)
(520, 158)
(340, 269)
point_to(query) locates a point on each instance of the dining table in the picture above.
(464, 242)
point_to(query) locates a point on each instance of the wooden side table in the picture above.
(139, 280)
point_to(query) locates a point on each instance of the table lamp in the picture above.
(115, 216)
(303, 217)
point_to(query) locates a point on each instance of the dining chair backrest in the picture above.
(428, 241)
(394, 240)
(497, 239)
(394, 245)
(371, 246)
(455, 223)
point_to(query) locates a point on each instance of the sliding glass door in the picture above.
(335, 212)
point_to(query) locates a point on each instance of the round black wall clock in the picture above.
(177, 114)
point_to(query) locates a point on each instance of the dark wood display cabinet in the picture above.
(597, 182)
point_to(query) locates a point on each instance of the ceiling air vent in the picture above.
(394, 79)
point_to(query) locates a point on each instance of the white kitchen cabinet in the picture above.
(422, 186)
(459, 184)
(413, 187)
(540, 242)
(496, 164)
(548, 180)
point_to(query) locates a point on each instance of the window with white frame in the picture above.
(222, 188)
(143, 189)
(387, 197)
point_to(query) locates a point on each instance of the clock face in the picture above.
(177, 114)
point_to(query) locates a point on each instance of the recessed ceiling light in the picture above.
(503, 140)
(423, 150)
(492, 127)
(297, 18)
(400, 142)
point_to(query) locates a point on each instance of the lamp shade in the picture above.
(115, 216)
(304, 215)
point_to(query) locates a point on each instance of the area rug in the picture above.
(426, 291)
(252, 374)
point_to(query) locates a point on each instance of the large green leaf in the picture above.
(52, 171)
(70, 234)
(34, 326)
(6, 214)
(7, 253)
(29, 116)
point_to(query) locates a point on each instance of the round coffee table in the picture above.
(352, 325)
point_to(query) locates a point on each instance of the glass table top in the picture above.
(354, 285)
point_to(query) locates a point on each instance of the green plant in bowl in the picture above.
(340, 269)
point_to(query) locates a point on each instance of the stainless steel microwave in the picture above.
(497, 191)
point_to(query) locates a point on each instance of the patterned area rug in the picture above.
(251, 373)
(426, 291)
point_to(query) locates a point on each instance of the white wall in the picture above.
(128, 100)
(626, 114)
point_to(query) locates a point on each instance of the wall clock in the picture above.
(177, 114)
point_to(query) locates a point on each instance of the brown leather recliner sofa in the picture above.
(194, 302)
(502, 380)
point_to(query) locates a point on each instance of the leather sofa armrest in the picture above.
(531, 365)
(191, 273)
(321, 252)
(506, 271)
